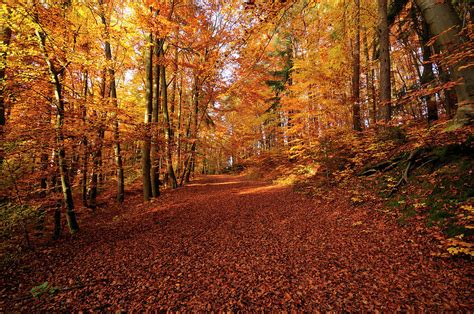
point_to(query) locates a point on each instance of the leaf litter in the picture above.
(229, 243)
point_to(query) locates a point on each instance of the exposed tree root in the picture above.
(383, 166)
(419, 158)
(404, 179)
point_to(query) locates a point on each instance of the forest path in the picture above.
(224, 242)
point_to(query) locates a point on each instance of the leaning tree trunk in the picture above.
(444, 23)
(385, 89)
(58, 95)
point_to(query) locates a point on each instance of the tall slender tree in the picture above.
(113, 98)
(384, 77)
(167, 125)
(55, 77)
(154, 155)
(356, 121)
(5, 36)
(146, 162)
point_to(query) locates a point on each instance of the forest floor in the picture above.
(226, 242)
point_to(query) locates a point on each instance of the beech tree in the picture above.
(445, 24)
(5, 35)
(56, 70)
(356, 75)
(385, 84)
(113, 98)
(146, 161)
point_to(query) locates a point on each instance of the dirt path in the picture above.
(225, 242)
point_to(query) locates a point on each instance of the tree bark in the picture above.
(113, 98)
(168, 131)
(58, 94)
(192, 158)
(154, 156)
(85, 144)
(384, 77)
(356, 123)
(191, 131)
(5, 36)
(117, 148)
(427, 76)
(57, 208)
(178, 137)
(444, 23)
(97, 147)
(370, 82)
(146, 162)
(449, 95)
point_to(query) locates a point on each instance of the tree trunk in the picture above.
(188, 139)
(85, 144)
(174, 87)
(113, 98)
(65, 185)
(178, 139)
(5, 36)
(384, 77)
(168, 132)
(192, 159)
(191, 131)
(155, 162)
(449, 94)
(117, 148)
(356, 123)
(58, 204)
(97, 148)
(427, 76)
(44, 177)
(146, 163)
(95, 169)
(444, 23)
(370, 81)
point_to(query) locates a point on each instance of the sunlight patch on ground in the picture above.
(219, 183)
(260, 189)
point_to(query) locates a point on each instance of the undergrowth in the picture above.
(415, 174)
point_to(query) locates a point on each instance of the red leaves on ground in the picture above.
(227, 243)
